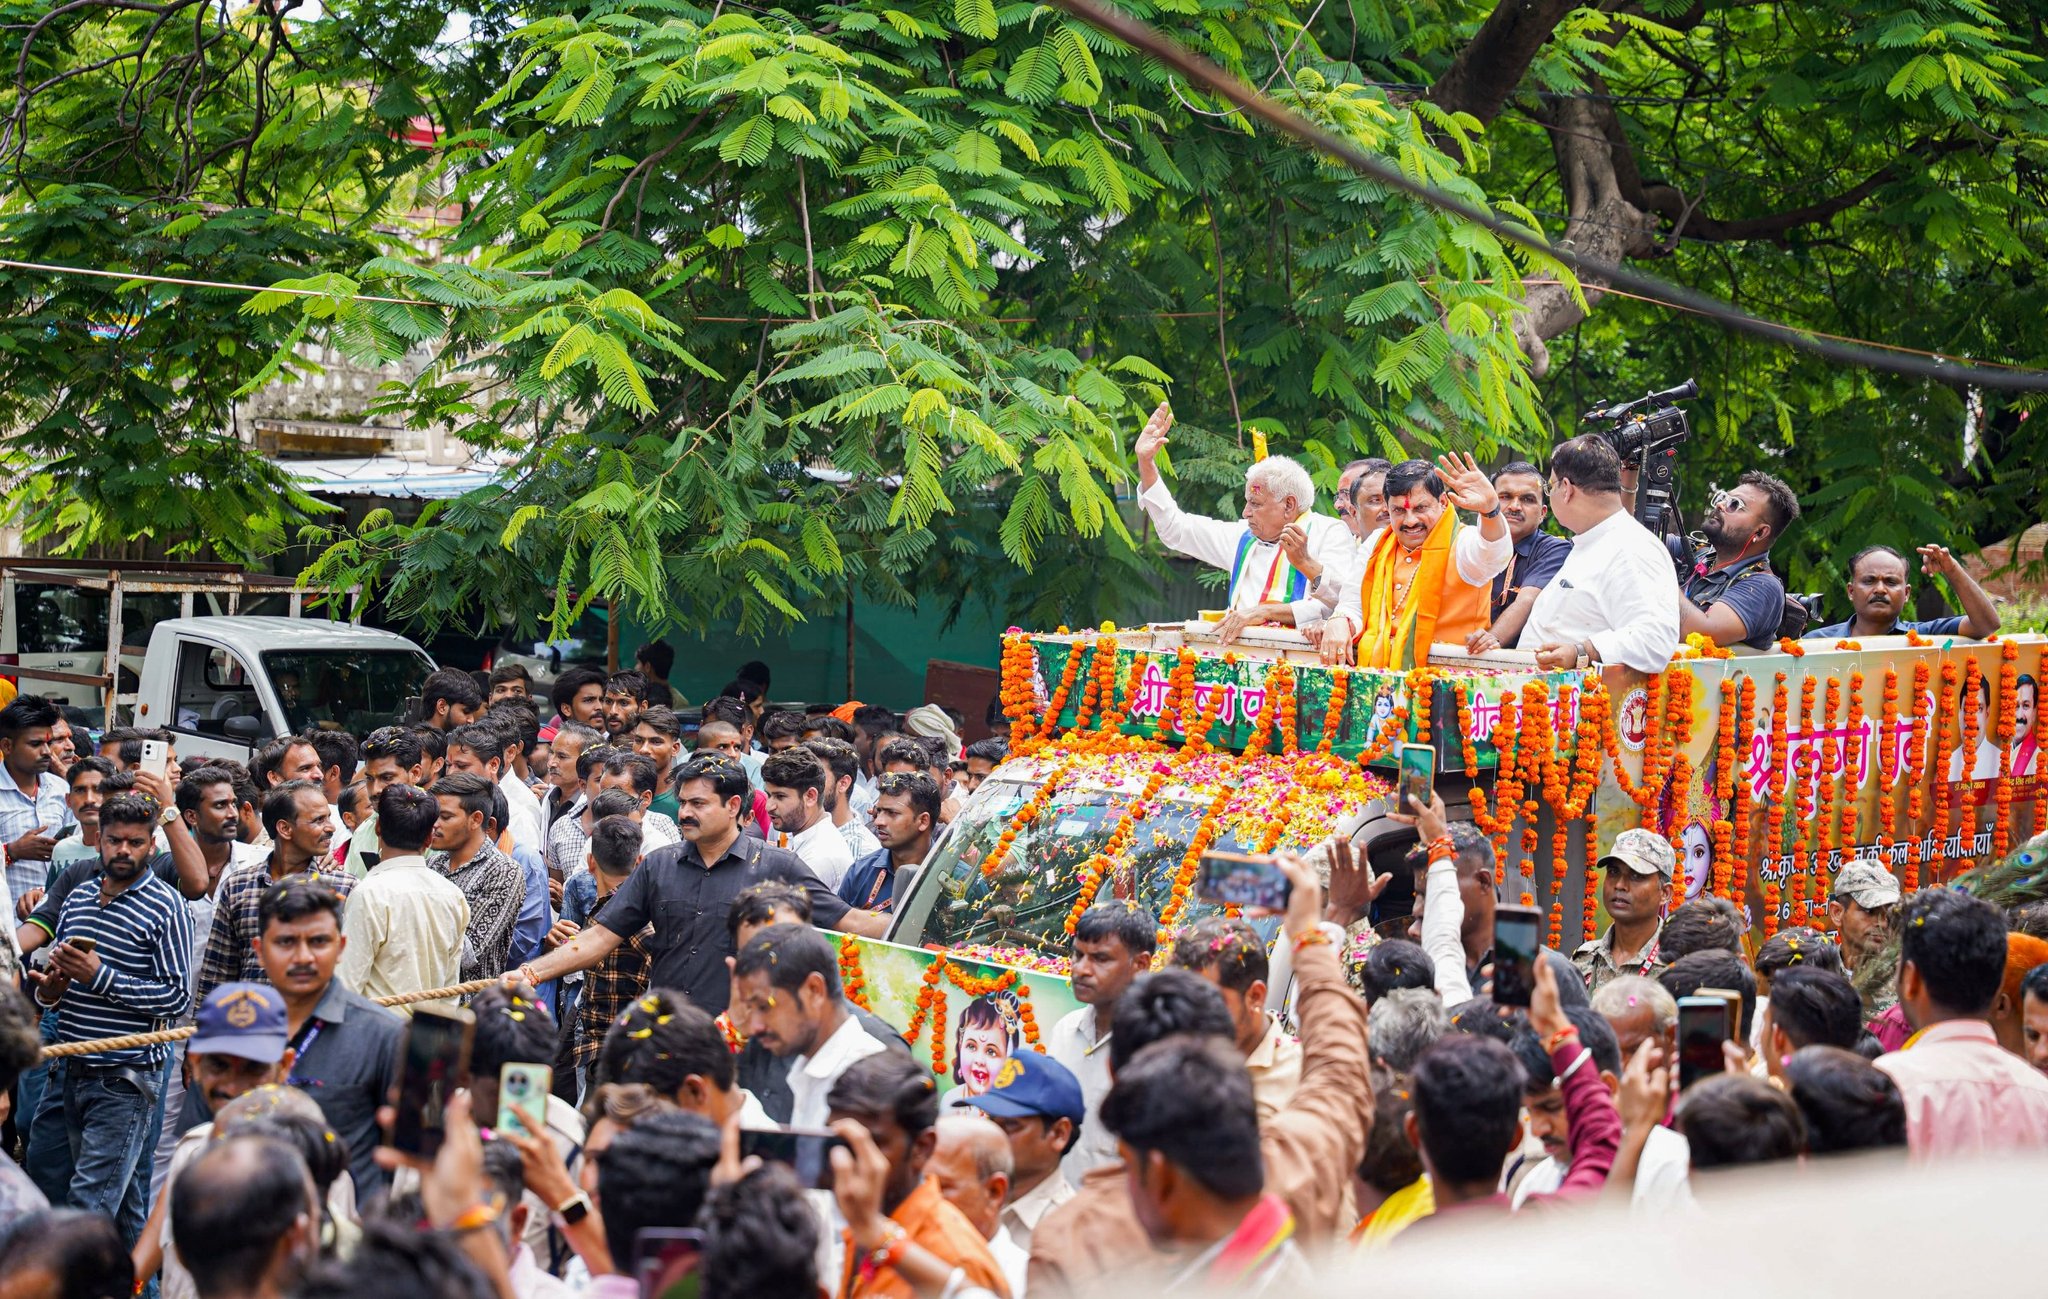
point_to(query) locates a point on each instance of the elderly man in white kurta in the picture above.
(1276, 553)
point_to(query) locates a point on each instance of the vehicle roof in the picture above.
(253, 635)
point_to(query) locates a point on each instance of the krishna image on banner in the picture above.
(965, 1012)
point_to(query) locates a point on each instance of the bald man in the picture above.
(973, 1164)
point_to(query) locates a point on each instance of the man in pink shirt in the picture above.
(1965, 1094)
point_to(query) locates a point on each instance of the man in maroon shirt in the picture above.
(1468, 1104)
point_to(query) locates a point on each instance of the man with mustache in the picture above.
(685, 890)
(1878, 594)
(344, 1046)
(1729, 591)
(1426, 576)
(119, 966)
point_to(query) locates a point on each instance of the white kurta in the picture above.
(1216, 542)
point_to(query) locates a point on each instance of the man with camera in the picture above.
(1729, 591)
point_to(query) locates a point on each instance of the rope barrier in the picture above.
(132, 1040)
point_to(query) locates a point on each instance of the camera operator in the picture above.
(1616, 599)
(1730, 592)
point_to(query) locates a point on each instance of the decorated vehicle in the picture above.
(1136, 751)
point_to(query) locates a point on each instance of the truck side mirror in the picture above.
(246, 729)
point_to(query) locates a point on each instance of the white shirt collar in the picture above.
(837, 1051)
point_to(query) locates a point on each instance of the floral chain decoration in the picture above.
(930, 1011)
(1945, 742)
(1852, 767)
(1973, 723)
(1888, 762)
(1916, 767)
(2008, 703)
(1333, 715)
(1774, 821)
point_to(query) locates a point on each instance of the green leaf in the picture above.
(749, 142)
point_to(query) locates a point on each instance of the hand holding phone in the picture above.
(1417, 781)
(1704, 1023)
(432, 1064)
(1517, 949)
(523, 1097)
(156, 757)
(807, 1151)
(1239, 879)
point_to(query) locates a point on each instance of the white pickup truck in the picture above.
(225, 685)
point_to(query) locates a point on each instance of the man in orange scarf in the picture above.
(1427, 574)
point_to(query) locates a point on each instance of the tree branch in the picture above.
(1491, 65)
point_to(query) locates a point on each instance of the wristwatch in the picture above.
(168, 815)
(574, 1209)
(1493, 513)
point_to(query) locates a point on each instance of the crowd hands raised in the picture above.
(1397, 569)
(292, 913)
(1223, 1110)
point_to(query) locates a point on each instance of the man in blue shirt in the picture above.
(1538, 554)
(1878, 593)
(119, 966)
(906, 813)
(1729, 591)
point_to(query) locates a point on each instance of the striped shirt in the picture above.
(237, 921)
(22, 812)
(145, 951)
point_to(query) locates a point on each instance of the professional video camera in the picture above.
(1647, 441)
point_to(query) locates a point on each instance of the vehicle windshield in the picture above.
(1028, 908)
(354, 690)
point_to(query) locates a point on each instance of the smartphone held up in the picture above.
(432, 1063)
(1416, 783)
(1235, 879)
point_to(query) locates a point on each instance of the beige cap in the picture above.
(1867, 884)
(1643, 851)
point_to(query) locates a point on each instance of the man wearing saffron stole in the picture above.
(1276, 554)
(1427, 575)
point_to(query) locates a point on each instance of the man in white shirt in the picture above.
(478, 749)
(842, 770)
(787, 997)
(1113, 945)
(1660, 1182)
(795, 783)
(1616, 598)
(1273, 553)
(405, 920)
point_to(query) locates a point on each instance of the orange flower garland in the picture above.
(1114, 714)
(1506, 788)
(1333, 716)
(1745, 735)
(851, 977)
(1279, 679)
(1852, 768)
(1019, 698)
(1390, 732)
(1888, 761)
(1774, 820)
(1802, 803)
(2008, 701)
(1678, 777)
(1024, 816)
(1973, 724)
(1468, 748)
(1290, 737)
(1916, 767)
(1724, 784)
(1191, 860)
(1058, 702)
(1945, 743)
(1830, 754)
(1180, 686)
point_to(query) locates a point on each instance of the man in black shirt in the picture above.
(685, 891)
(1730, 592)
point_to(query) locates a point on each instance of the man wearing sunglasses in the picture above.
(1730, 592)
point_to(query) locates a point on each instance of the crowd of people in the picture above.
(1222, 1110)
(1397, 569)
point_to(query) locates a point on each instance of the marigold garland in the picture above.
(1945, 743)
(1803, 772)
(1774, 820)
(1745, 736)
(852, 979)
(1888, 762)
(1973, 722)
(1852, 769)
(1916, 767)
(1333, 716)
(1724, 784)
(1279, 678)
(2008, 702)
(1058, 702)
